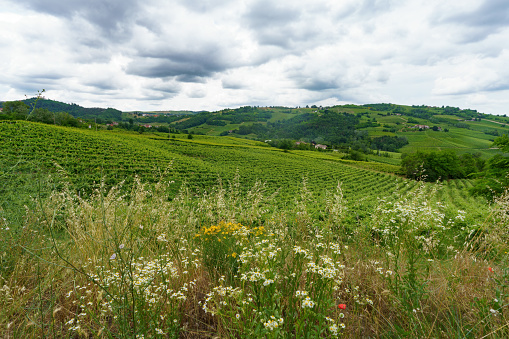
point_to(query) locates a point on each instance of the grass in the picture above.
(237, 240)
(461, 140)
(231, 262)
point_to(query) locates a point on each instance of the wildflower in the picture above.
(342, 306)
(273, 323)
(268, 282)
(162, 237)
(301, 293)
(114, 255)
(159, 331)
(308, 303)
(334, 329)
(490, 269)
(237, 316)
(494, 312)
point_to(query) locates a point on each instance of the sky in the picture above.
(215, 54)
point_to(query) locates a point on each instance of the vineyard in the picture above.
(119, 234)
(87, 157)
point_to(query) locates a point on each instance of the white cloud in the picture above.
(207, 54)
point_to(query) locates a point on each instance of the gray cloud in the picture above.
(266, 13)
(272, 22)
(156, 96)
(204, 5)
(207, 54)
(114, 17)
(197, 93)
(31, 88)
(187, 66)
(488, 18)
(186, 71)
(231, 83)
(318, 84)
(167, 87)
(490, 14)
(104, 85)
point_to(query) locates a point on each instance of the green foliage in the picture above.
(387, 143)
(495, 180)
(88, 157)
(441, 165)
(14, 110)
(355, 155)
(306, 262)
(380, 107)
(75, 110)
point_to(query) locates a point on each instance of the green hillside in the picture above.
(227, 236)
(464, 131)
(87, 157)
(366, 128)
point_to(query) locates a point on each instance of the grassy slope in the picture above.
(87, 156)
(471, 140)
(451, 289)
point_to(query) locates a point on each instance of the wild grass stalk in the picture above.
(134, 263)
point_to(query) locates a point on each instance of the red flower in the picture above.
(342, 306)
(490, 269)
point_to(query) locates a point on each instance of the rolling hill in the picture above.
(87, 157)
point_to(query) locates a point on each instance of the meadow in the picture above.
(110, 234)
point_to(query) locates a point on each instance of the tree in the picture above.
(285, 144)
(355, 155)
(495, 179)
(42, 115)
(432, 166)
(15, 110)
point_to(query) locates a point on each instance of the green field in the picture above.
(119, 234)
(89, 157)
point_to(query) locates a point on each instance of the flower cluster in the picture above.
(273, 323)
(218, 297)
(157, 285)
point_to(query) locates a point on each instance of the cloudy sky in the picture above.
(213, 54)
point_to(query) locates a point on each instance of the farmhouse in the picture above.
(320, 146)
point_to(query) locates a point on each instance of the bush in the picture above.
(433, 166)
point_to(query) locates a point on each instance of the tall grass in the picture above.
(132, 263)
